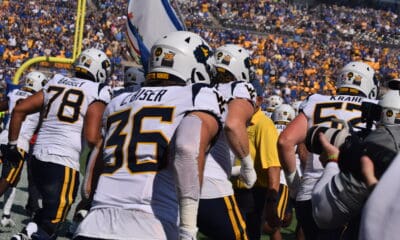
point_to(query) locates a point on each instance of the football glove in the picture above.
(11, 154)
(247, 173)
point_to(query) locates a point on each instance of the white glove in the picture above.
(186, 234)
(247, 173)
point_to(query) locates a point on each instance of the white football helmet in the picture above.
(35, 81)
(296, 106)
(283, 114)
(236, 60)
(357, 77)
(94, 64)
(390, 103)
(181, 56)
(273, 102)
(133, 76)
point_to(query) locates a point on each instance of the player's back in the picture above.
(138, 129)
(30, 123)
(66, 101)
(320, 110)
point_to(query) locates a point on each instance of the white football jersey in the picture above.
(319, 110)
(28, 126)
(66, 101)
(138, 128)
(216, 183)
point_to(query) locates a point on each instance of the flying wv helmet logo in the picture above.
(202, 53)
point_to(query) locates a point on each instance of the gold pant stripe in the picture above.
(15, 171)
(242, 223)
(70, 194)
(283, 202)
(232, 217)
(63, 196)
(19, 169)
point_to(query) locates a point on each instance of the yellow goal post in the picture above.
(77, 48)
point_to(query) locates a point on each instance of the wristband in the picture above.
(13, 142)
(332, 158)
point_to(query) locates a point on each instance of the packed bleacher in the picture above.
(296, 50)
(300, 49)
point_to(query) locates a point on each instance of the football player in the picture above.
(272, 102)
(356, 84)
(281, 117)
(11, 170)
(334, 208)
(175, 113)
(133, 80)
(219, 216)
(71, 111)
(260, 202)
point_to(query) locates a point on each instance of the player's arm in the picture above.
(93, 170)
(92, 123)
(295, 133)
(32, 104)
(240, 112)
(191, 142)
(266, 143)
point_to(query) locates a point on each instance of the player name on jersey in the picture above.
(153, 95)
(347, 98)
(70, 82)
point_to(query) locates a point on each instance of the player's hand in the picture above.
(247, 173)
(11, 154)
(186, 234)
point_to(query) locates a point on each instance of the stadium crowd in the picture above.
(30, 30)
(284, 53)
(296, 47)
(302, 48)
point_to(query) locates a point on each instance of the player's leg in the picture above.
(220, 218)
(32, 204)
(10, 176)
(58, 186)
